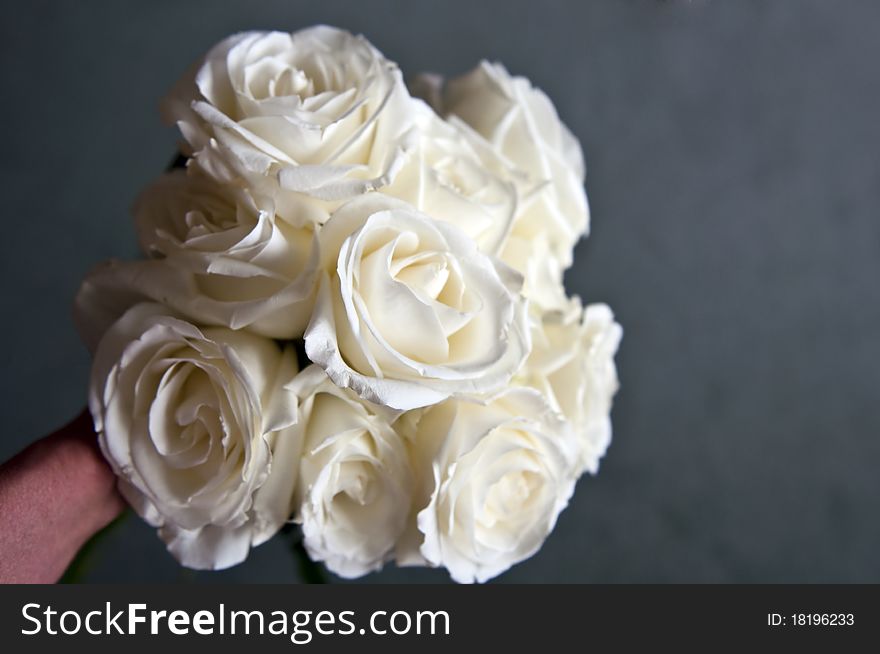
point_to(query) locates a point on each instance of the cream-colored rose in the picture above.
(226, 258)
(319, 112)
(197, 425)
(454, 175)
(355, 480)
(533, 258)
(522, 123)
(409, 311)
(572, 364)
(495, 474)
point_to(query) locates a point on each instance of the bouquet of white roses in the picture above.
(351, 316)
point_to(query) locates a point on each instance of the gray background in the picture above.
(734, 178)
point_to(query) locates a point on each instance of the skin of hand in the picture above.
(54, 495)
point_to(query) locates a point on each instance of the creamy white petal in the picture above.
(355, 480)
(521, 124)
(318, 112)
(407, 340)
(456, 176)
(199, 426)
(226, 256)
(493, 473)
(572, 365)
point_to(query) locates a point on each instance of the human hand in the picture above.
(54, 495)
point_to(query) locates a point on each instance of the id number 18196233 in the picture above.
(811, 620)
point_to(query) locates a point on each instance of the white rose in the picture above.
(455, 176)
(197, 425)
(355, 481)
(498, 473)
(226, 258)
(409, 311)
(521, 123)
(319, 111)
(572, 364)
(532, 257)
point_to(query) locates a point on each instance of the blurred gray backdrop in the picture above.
(734, 178)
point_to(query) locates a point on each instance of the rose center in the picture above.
(273, 78)
(425, 275)
(512, 494)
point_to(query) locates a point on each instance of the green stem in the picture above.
(85, 558)
(309, 571)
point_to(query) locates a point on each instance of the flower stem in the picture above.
(309, 571)
(84, 560)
